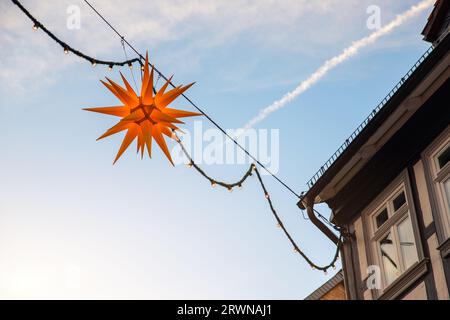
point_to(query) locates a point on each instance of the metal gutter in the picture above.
(308, 203)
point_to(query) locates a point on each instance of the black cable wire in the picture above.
(328, 222)
(131, 66)
(193, 104)
(66, 47)
(239, 183)
(292, 241)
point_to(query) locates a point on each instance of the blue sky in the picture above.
(74, 226)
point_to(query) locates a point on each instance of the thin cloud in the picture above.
(330, 64)
(195, 28)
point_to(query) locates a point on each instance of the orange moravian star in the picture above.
(146, 116)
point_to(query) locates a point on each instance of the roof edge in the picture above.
(324, 175)
(326, 287)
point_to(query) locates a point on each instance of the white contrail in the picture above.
(337, 60)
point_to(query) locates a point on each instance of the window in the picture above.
(438, 159)
(399, 201)
(392, 237)
(443, 160)
(382, 217)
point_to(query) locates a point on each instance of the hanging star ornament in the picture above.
(145, 117)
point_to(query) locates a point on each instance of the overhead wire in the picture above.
(230, 185)
(193, 104)
(252, 169)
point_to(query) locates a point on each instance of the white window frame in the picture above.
(373, 233)
(438, 176)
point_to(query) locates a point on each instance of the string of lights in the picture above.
(239, 183)
(130, 62)
(294, 244)
(214, 182)
(67, 48)
(193, 104)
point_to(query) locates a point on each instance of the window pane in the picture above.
(399, 201)
(407, 243)
(381, 218)
(444, 158)
(388, 258)
(447, 191)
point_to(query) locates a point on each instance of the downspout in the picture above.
(308, 203)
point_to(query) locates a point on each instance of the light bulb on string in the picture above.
(230, 189)
(93, 63)
(66, 50)
(130, 65)
(35, 27)
(213, 184)
(110, 67)
(189, 165)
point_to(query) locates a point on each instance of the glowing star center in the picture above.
(147, 110)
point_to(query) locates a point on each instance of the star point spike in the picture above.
(118, 111)
(127, 85)
(129, 137)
